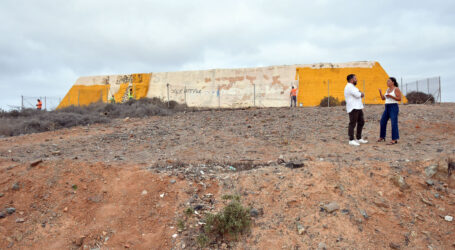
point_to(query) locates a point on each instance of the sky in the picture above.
(46, 45)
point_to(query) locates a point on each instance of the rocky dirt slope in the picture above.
(128, 183)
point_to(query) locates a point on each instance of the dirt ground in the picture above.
(126, 184)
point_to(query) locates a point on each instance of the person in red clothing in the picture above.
(39, 105)
(293, 95)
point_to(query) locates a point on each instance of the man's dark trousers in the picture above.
(356, 118)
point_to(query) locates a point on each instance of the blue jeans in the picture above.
(391, 112)
(294, 101)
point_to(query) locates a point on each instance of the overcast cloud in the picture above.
(46, 45)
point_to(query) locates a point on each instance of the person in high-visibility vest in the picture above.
(293, 95)
(112, 100)
(39, 105)
(130, 95)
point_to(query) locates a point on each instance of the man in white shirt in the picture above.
(354, 107)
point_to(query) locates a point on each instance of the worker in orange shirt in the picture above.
(293, 95)
(39, 105)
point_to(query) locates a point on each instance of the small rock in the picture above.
(2, 215)
(437, 196)
(331, 207)
(399, 181)
(280, 160)
(254, 212)
(19, 220)
(345, 211)
(174, 236)
(16, 186)
(431, 171)
(96, 198)
(1, 195)
(448, 218)
(300, 228)
(36, 163)
(294, 164)
(429, 182)
(322, 246)
(144, 192)
(173, 181)
(394, 245)
(10, 210)
(65, 209)
(364, 214)
(426, 201)
(198, 207)
(381, 202)
(162, 195)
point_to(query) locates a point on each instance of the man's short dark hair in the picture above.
(349, 77)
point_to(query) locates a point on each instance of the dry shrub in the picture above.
(329, 100)
(415, 97)
(25, 121)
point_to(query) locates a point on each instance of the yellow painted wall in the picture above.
(141, 85)
(314, 83)
(82, 95)
(121, 92)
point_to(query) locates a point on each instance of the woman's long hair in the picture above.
(394, 81)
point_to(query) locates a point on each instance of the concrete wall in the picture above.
(233, 88)
(226, 88)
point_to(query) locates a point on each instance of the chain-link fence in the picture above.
(48, 102)
(423, 91)
(331, 92)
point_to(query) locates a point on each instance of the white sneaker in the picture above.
(362, 141)
(354, 143)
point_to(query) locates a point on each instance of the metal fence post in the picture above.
(328, 93)
(401, 85)
(440, 98)
(167, 85)
(219, 96)
(254, 95)
(406, 89)
(428, 85)
(22, 102)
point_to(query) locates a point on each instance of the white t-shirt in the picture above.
(353, 97)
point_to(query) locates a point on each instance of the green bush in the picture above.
(234, 197)
(234, 219)
(202, 240)
(189, 211)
